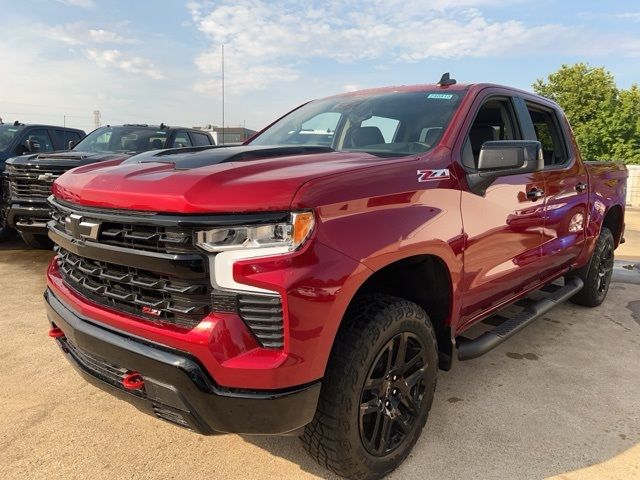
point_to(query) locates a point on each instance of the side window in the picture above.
(318, 130)
(201, 139)
(40, 136)
(494, 121)
(66, 136)
(181, 140)
(548, 133)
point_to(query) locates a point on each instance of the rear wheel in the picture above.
(35, 240)
(377, 391)
(597, 277)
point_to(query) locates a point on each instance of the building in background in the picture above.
(231, 134)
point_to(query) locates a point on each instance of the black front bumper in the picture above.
(29, 216)
(176, 387)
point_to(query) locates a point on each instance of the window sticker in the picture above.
(441, 96)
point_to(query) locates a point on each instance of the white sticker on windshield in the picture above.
(441, 96)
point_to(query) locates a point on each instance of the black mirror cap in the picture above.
(518, 155)
(503, 158)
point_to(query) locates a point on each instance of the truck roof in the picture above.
(20, 124)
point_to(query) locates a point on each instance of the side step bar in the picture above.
(469, 349)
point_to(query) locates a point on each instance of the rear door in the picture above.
(566, 189)
(503, 226)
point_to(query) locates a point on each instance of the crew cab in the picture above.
(313, 280)
(30, 177)
(19, 139)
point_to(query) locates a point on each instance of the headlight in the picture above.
(288, 235)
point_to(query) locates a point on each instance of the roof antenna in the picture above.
(446, 80)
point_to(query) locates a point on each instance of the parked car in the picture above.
(19, 139)
(312, 281)
(30, 176)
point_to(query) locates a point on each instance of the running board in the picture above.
(468, 349)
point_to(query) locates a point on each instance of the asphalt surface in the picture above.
(562, 395)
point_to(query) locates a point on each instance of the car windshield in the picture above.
(7, 134)
(123, 139)
(397, 123)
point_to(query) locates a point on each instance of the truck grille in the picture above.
(155, 297)
(32, 181)
(149, 238)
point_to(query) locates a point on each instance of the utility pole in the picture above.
(223, 94)
(96, 118)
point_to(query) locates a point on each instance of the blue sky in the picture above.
(159, 61)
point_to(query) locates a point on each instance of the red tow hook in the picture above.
(133, 381)
(56, 332)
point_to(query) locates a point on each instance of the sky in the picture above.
(160, 61)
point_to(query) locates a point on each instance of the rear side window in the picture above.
(201, 139)
(548, 133)
(387, 126)
(41, 137)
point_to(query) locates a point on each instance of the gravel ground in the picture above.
(562, 395)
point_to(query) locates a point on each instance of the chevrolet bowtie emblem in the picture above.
(47, 176)
(80, 228)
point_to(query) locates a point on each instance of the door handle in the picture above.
(534, 194)
(581, 187)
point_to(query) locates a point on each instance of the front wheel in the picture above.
(597, 277)
(377, 391)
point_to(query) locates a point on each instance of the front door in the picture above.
(504, 227)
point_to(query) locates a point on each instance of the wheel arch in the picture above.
(613, 221)
(424, 279)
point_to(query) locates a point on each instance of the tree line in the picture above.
(605, 119)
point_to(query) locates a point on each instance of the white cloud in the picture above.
(78, 33)
(265, 41)
(124, 61)
(635, 16)
(78, 3)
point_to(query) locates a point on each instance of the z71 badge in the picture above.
(438, 174)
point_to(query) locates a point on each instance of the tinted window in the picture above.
(384, 124)
(200, 139)
(123, 139)
(66, 136)
(494, 121)
(7, 135)
(181, 140)
(549, 135)
(40, 137)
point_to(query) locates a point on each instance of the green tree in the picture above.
(605, 119)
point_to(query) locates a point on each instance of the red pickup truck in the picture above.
(313, 280)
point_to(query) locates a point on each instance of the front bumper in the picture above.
(29, 217)
(176, 388)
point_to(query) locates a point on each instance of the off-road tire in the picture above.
(36, 240)
(334, 436)
(597, 276)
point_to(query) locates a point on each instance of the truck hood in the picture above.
(68, 157)
(206, 180)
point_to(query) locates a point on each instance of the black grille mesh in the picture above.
(147, 294)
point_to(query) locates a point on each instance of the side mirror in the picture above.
(32, 146)
(503, 158)
(72, 143)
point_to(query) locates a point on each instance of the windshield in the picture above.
(123, 139)
(396, 123)
(7, 134)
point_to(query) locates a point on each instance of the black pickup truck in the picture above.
(30, 177)
(20, 139)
